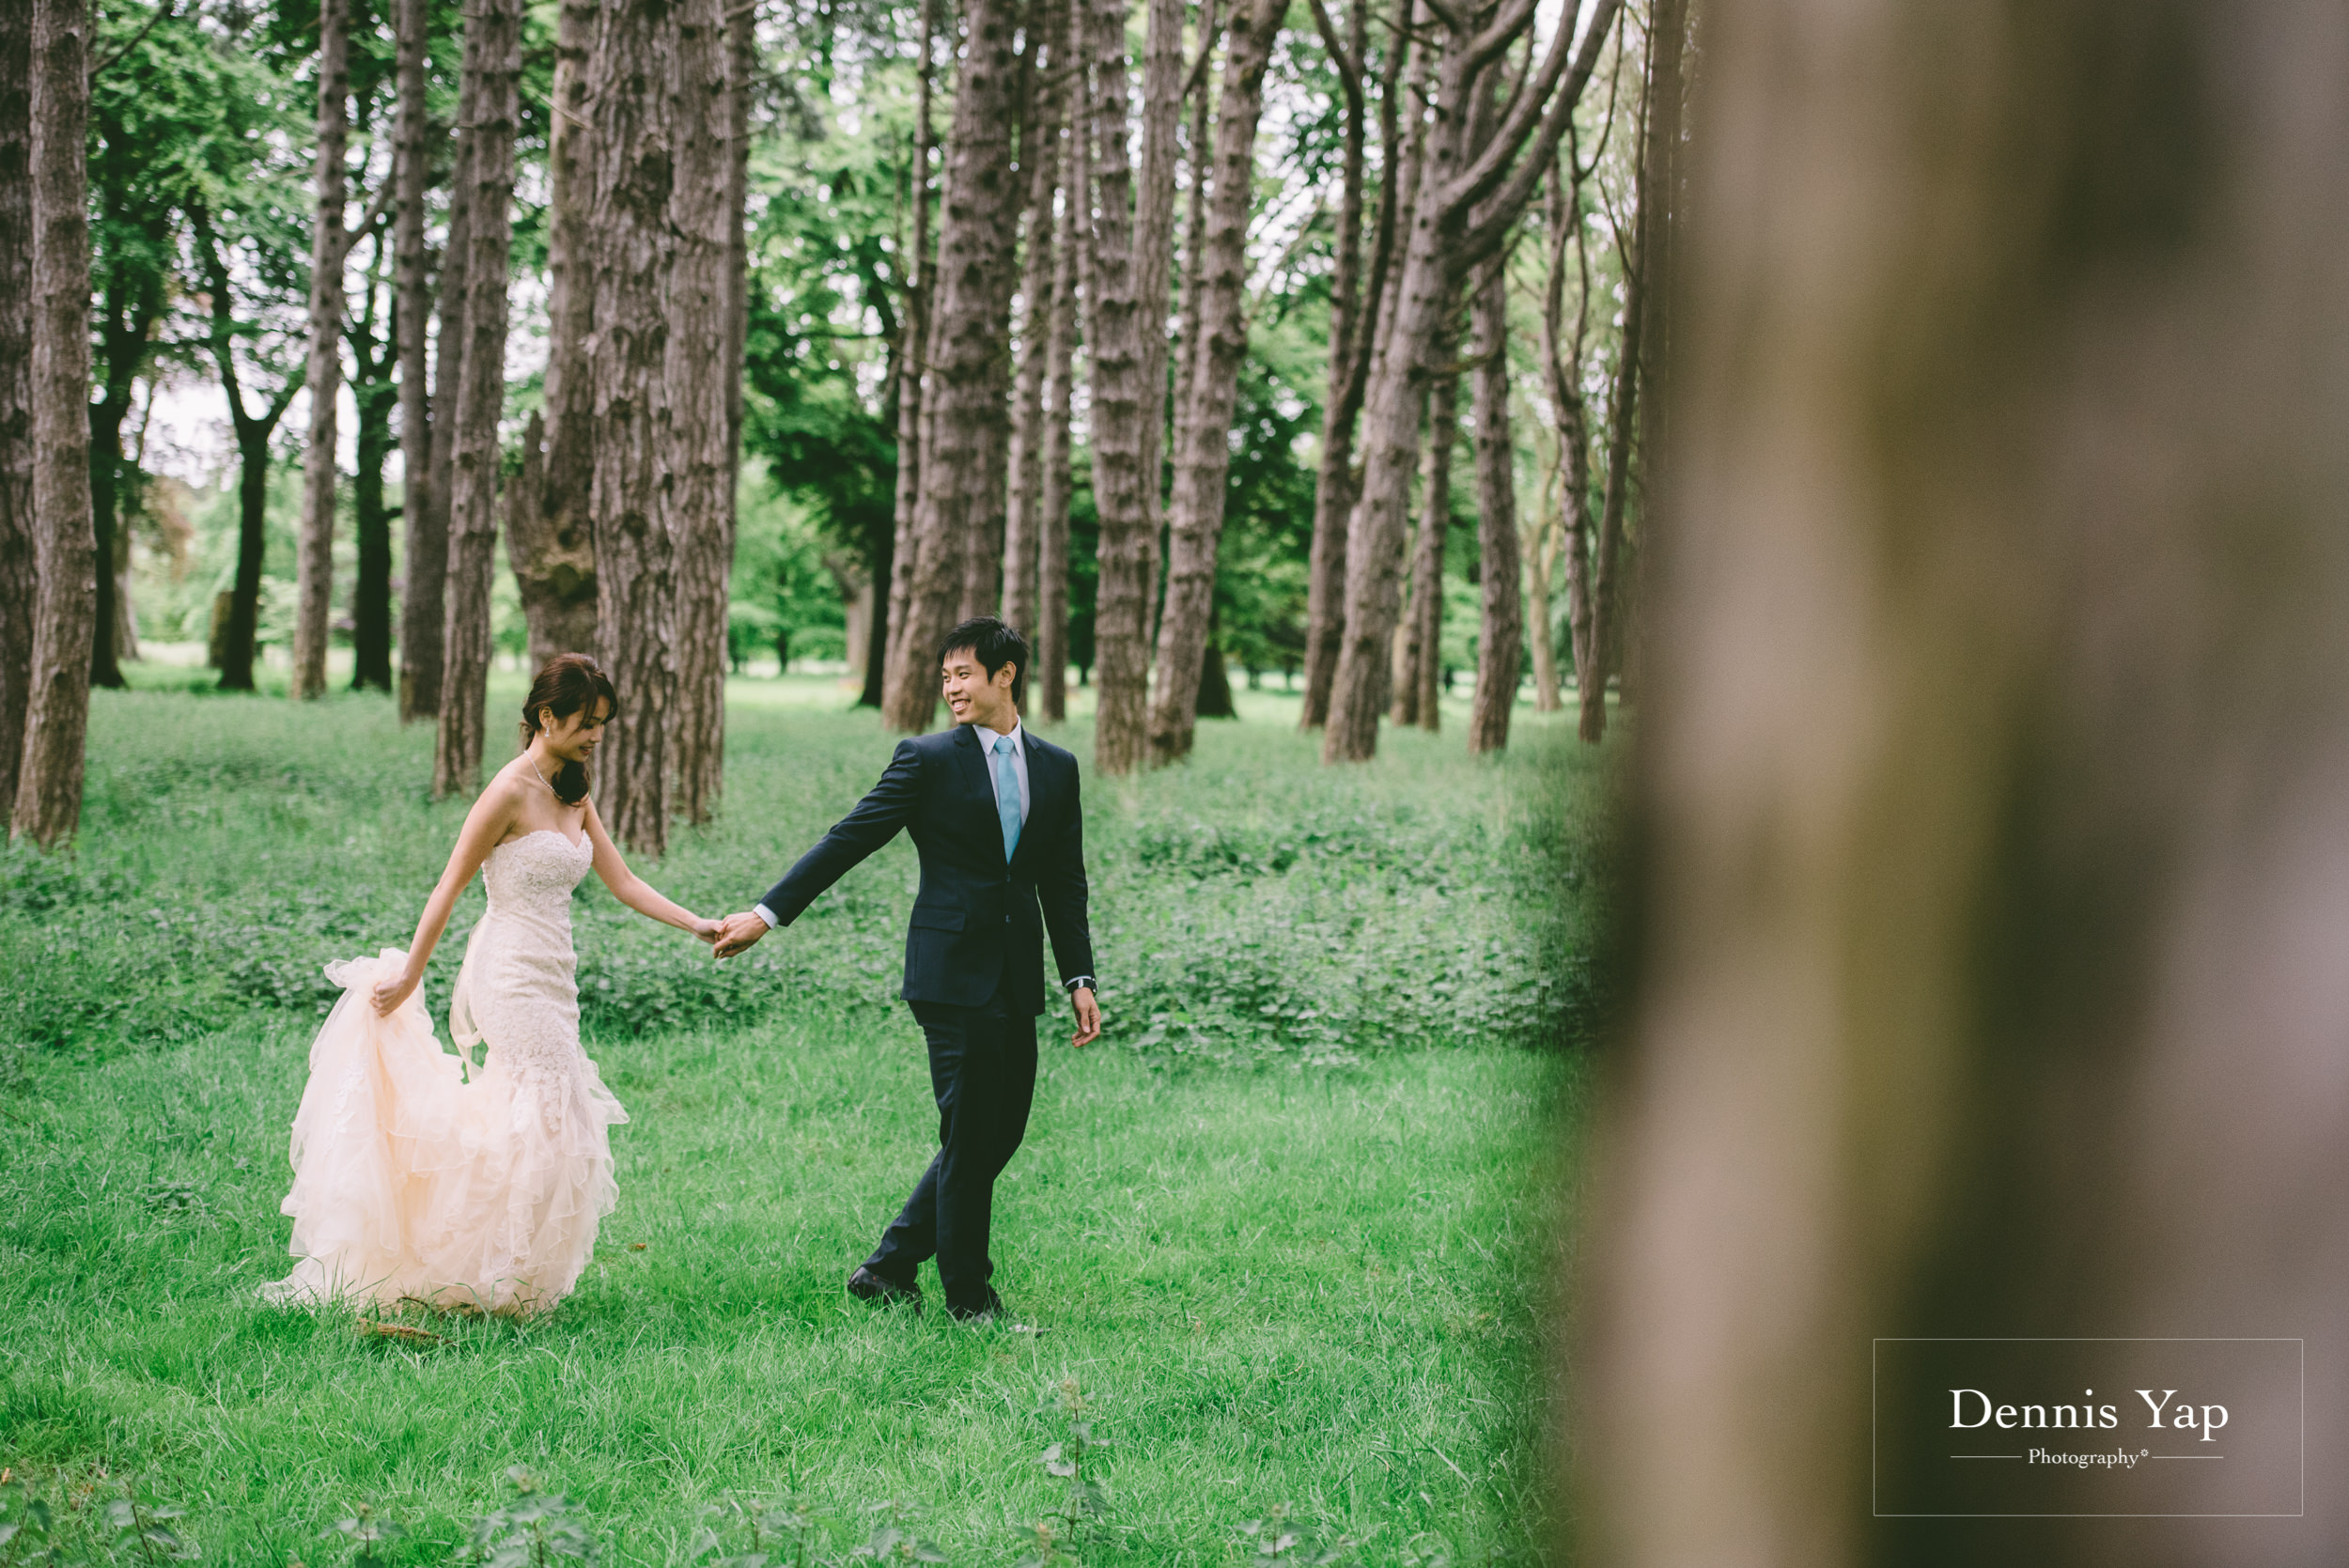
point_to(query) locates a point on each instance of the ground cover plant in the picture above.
(1280, 1237)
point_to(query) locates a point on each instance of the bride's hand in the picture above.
(707, 930)
(389, 994)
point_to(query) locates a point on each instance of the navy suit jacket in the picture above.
(975, 919)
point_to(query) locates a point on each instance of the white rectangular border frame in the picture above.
(2085, 1339)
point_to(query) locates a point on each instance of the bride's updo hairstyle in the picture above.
(570, 682)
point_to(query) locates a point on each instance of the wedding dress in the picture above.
(417, 1179)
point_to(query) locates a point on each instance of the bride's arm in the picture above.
(637, 894)
(487, 823)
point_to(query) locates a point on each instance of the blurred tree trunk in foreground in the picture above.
(1995, 797)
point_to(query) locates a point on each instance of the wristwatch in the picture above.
(1082, 982)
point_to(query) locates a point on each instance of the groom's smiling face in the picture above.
(975, 696)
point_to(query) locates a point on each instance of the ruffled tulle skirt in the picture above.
(413, 1183)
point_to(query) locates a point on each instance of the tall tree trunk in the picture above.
(1051, 636)
(1187, 346)
(1040, 152)
(371, 522)
(448, 358)
(1561, 367)
(48, 804)
(493, 44)
(422, 522)
(1157, 187)
(1539, 544)
(1350, 315)
(699, 407)
(891, 597)
(1994, 790)
(1493, 187)
(965, 394)
(314, 543)
(1607, 549)
(632, 135)
(123, 330)
(1659, 193)
(20, 577)
(1501, 623)
(1122, 292)
(550, 545)
(1203, 464)
(1423, 622)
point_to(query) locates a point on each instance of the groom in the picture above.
(994, 813)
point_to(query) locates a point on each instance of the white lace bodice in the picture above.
(532, 877)
(517, 990)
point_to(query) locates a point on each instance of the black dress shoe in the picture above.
(865, 1285)
(987, 1314)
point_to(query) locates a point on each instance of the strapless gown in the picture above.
(417, 1179)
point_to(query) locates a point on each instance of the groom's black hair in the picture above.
(994, 644)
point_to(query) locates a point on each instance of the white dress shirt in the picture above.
(987, 738)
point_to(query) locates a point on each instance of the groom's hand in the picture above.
(1088, 1014)
(738, 932)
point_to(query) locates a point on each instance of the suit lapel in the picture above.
(978, 785)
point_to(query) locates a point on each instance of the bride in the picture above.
(418, 1175)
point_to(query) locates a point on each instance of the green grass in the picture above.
(1287, 1261)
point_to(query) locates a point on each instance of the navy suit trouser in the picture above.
(982, 1073)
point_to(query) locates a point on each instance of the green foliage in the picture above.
(537, 1529)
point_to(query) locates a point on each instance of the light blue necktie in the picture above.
(1006, 795)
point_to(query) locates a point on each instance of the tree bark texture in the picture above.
(314, 543)
(1203, 464)
(1500, 622)
(1995, 777)
(636, 624)
(1051, 632)
(48, 805)
(1350, 315)
(20, 576)
(913, 349)
(1162, 77)
(424, 525)
(448, 361)
(1660, 201)
(1039, 270)
(1493, 187)
(1423, 624)
(698, 408)
(1121, 294)
(551, 545)
(964, 396)
(480, 396)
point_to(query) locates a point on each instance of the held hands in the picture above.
(737, 932)
(705, 929)
(1088, 1015)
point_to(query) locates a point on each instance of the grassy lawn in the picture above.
(1282, 1231)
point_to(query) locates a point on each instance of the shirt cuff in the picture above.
(1081, 982)
(769, 916)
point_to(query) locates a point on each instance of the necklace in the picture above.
(543, 777)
